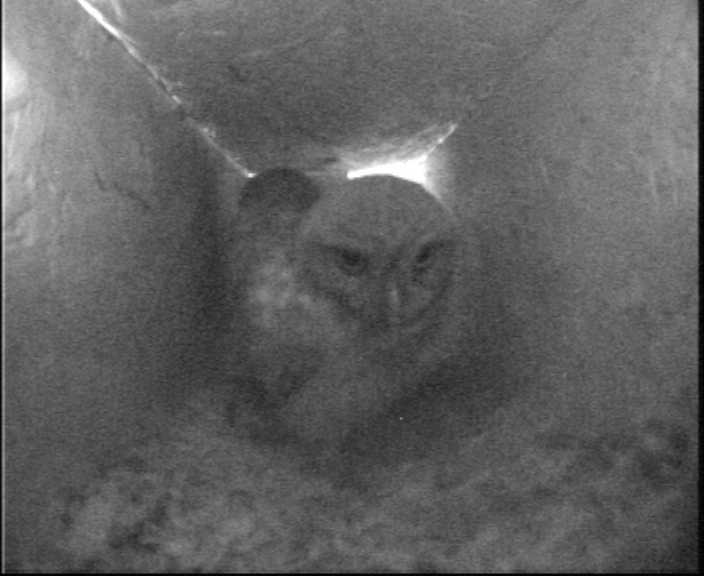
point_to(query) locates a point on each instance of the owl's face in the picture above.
(383, 250)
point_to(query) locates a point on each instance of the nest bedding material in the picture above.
(200, 499)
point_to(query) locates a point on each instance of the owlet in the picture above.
(344, 296)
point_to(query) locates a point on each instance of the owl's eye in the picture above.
(351, 262)
(425, 255)
(424, 259)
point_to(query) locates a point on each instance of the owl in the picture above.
(344, 297)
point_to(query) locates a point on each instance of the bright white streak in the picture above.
(14, 78)
(413, 169)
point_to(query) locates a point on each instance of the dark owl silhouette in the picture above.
(344, 296)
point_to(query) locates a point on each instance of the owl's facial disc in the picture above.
(382, 251)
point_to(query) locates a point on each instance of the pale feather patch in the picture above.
(281, 303)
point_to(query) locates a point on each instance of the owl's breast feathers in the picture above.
(285, 309)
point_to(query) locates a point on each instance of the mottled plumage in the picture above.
(344, 296)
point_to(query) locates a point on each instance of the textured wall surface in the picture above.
(578, 174)
(292, 81)
(581, 176)
(105, 196)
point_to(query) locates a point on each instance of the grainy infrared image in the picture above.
(331, 286)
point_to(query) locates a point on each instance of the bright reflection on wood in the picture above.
(413, 169)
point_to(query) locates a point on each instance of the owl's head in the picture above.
(384, 250)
